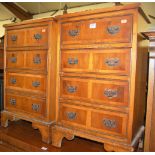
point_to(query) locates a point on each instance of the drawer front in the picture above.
(16, 38)
(29, 105)
(112, 61)
(75, 61)
(110, 92)
(36, 60)
(15, 59)
(14, 80)
(73, 115)
(108, 30)
(36, 83)
(74, 88)
(109, 122)
(37, 36)
(95, 91)
(28, 82)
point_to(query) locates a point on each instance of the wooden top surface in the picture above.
(25, 22)
(97, 11)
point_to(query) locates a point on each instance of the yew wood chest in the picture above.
(30, 74)
(102, 78)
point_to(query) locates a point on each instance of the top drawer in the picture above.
(16, 38)
(105, 30)
(36, 36)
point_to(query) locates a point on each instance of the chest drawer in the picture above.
(106, 30)
(109, 122)
(72, 115)
(100, 61)
(95, 91)
(14, 59)
(110, 92)
(30, 105)
(36, 60)
(37, 36)
(16, 38)
(111, 61)
(98, 120)
(75, 61)
(36, 83)
(14, 80)
(74, 88)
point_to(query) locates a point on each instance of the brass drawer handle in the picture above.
(13, 101)
(35, 83)
(113, 29)
(13, 59)
(37, 36)
(13, 81)
(37, 59)
(111, 62)
(35, 107)
(73, 33)
(13, 37)
(109, 123)
(110, 93)
(71, 115)
(72, 61)
(71, 89)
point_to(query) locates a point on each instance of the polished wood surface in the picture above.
(26, 105)
(30, 74)
(89, 33)
(96, 61)
(150, 114)
(27, 37)
(85, 89)
(100, 72)
(18, 137)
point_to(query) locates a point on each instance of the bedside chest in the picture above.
(102, 78)
(30, 74)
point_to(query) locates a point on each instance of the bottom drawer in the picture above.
(32, 106)
(98, 120)
(73, 115)
(109, 122)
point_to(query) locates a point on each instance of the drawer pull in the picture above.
(37, 59)
(110, 93)
(73, 33)
(13, 81)
(109, 123)
(72, 61)
(111, 62)
(35, 83)
(71, 89)
(13, 101)
(113, 29)
(13, 59)
(35, 107)
(71, 115)
(37, 36)
(13, 37)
